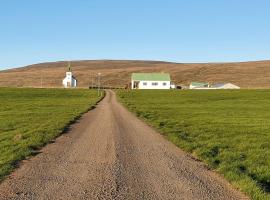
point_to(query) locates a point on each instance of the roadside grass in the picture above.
(229, 130)
(30, 118)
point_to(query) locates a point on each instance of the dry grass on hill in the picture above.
(117, 73)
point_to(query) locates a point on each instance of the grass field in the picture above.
(229, 130)
(30, 118)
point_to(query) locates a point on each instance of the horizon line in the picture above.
(131, 60)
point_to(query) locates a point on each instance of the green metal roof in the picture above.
(150, 77)
(198, 84)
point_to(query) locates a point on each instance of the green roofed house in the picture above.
(198, 85)
(150, 81)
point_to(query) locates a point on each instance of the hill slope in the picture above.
(117, 73)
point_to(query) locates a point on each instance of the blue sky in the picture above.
(34, 31)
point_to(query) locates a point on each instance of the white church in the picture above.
(69, 81)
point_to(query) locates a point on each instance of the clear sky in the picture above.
(34, 31)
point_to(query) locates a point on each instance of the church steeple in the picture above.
(69, 67)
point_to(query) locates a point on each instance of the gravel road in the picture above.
(110, 154)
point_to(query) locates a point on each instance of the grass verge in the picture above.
(229, 130)
(30, 118)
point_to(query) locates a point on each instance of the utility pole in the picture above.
(92, 77)
(99, 84)
(41, 80)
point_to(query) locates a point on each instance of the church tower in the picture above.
(69, 81)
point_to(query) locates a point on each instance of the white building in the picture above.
(69, 81)
(198, 85)
(225, 86)
(150, 81)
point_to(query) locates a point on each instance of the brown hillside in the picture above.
(117, 73)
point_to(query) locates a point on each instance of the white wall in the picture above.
(196, 87)
(159, 85)
(202, 88)
(68, 79)
(192, 87)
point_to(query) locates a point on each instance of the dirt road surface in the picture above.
(110, 154)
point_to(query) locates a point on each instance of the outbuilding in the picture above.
(150, 81)
(198, 85)
(225, 86)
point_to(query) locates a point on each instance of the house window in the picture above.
(164, 83)
(144, 83)
(154, 83)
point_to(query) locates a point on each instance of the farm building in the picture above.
(150, 81)
(69, 81)
(225, 86)
(198, 85)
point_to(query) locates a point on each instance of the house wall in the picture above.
(198, 87)
(192, 87)
(149, 85)
(74, 82)
(203, 88)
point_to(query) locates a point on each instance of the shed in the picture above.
(198, 85)
(225, 86)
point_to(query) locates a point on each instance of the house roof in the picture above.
(198, 84)
(218, 85)
(74, 77)
(150, 77)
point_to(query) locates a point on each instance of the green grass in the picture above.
(30, 118)
(229, 130)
